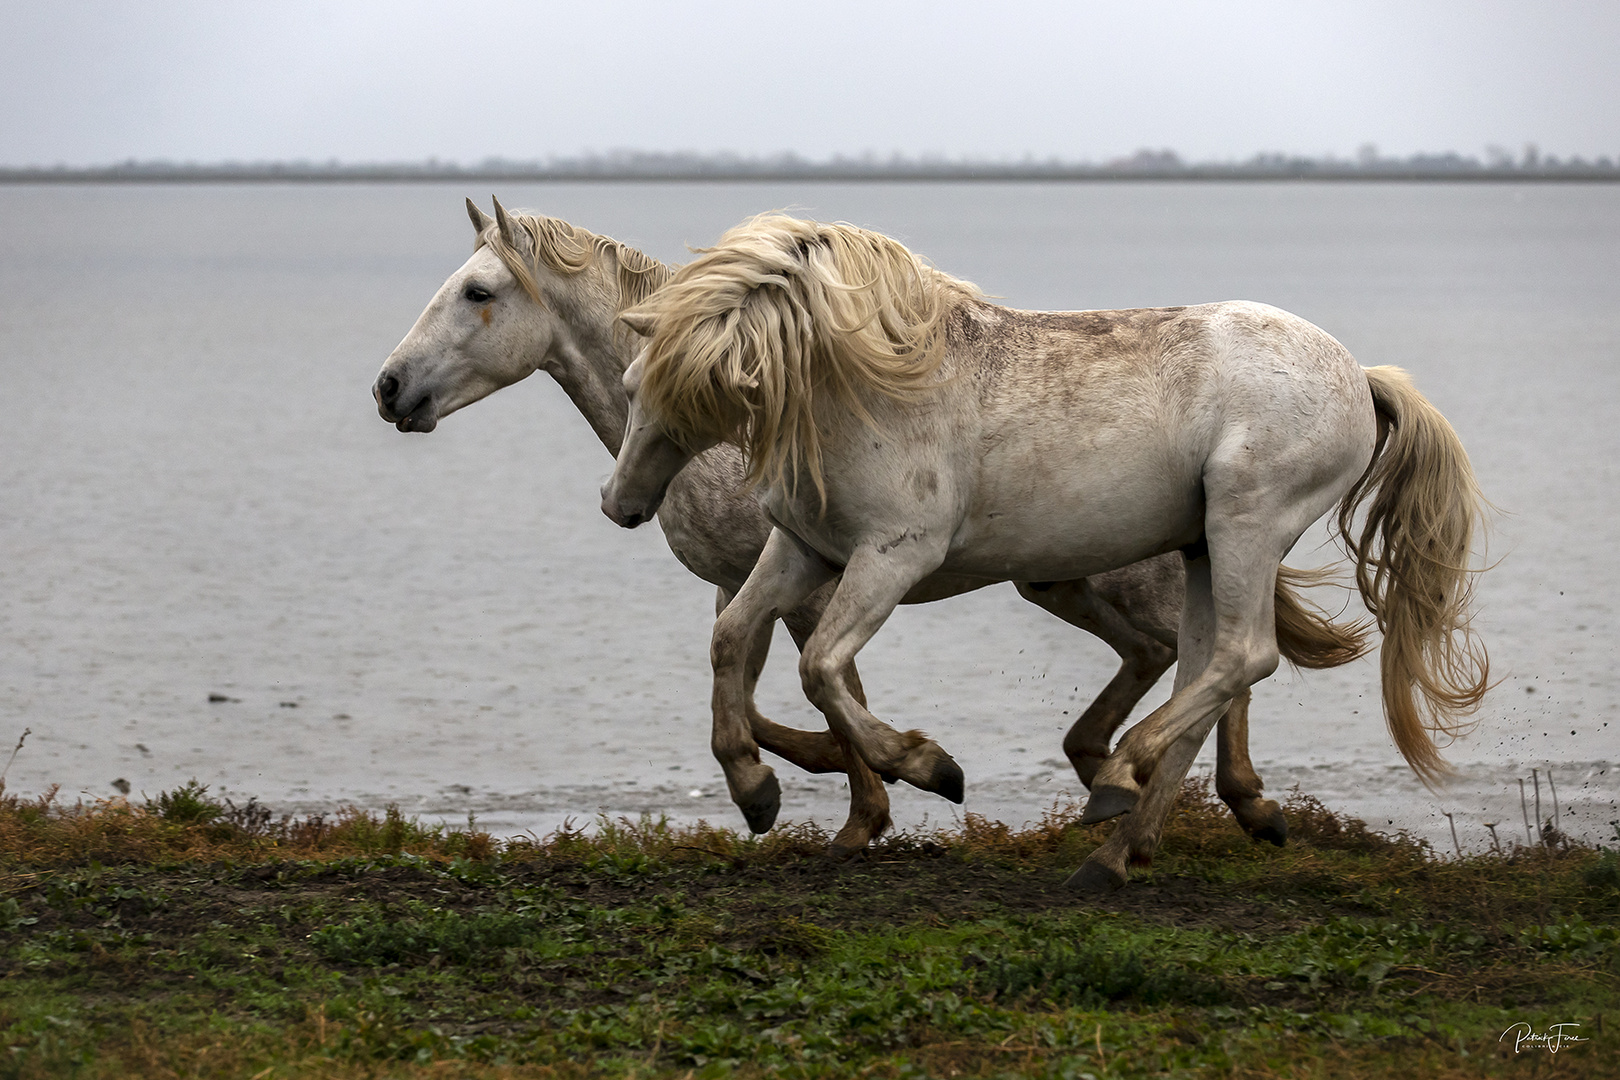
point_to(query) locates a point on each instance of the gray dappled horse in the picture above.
(899, 427)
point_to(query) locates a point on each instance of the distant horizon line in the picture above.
(689, 166)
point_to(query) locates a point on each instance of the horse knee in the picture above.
(819, 675)
(730, 644)
(1090, 735)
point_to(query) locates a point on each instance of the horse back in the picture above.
(1094, 428)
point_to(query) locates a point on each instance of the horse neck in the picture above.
(588, 361)
(589, 365)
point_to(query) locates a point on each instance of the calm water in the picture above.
(196, 497)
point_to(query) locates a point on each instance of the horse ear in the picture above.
(504, 223)
(639, 321)
(480, 220)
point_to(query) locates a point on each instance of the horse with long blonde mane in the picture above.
(899, 426)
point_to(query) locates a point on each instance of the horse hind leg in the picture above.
(1143, 661)
(1228, 642)
(1136, 837)
(1228, 612)
(1137, 611)
(1236, 782)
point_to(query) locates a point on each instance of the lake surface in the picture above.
(197, 497)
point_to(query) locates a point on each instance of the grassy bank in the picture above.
(187, 938)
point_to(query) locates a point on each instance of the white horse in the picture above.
(899, 426)
(541, 294)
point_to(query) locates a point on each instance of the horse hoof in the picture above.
(1094, 877)
(766, 802)
(929, 768)
(1274, 830)
(948, 779)
(853, 838)
(1262, 819)
(1107, 802)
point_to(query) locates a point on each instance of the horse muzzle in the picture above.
(628, 513)
(423, 416)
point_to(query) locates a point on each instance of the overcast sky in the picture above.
(216, 80)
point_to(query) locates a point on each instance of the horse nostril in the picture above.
(388, 389)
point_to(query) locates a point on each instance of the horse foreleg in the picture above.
(1143, 661)
(784, 575)
(871, 586)
(868, 799)
(817, 751)
(812, 751)
(1236, 782)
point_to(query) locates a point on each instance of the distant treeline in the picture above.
(628, 165)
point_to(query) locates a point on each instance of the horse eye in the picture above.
(477, 294)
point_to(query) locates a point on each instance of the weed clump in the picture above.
(188, 804)
(1095, 975)
(1605, 872)
(416, 933)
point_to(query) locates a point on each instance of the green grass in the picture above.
(189, 938)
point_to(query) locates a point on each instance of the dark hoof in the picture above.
(1274, 831)
(843, 852)
(1108, 802)
(948, 780)
(761, 811)
(1094, 877)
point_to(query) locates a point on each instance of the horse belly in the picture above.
(1055, 524)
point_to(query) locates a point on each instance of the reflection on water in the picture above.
(199, 498)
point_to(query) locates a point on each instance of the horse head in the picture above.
(496, 320)
(649, 457)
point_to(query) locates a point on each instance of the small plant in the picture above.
(1095, 974)
(12, 917)
(1572, 935)
(1605, 873)
(417, 932)
(186, 805)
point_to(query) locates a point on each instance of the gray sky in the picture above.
(96, 82)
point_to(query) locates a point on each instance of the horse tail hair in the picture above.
(1307, 636)
(1412, 564)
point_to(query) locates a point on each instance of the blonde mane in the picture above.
(568, 249)
(779, 312)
